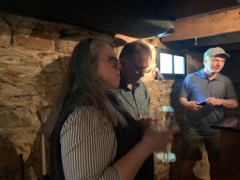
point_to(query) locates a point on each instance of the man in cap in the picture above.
(205, 94)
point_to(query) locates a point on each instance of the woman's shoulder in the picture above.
(85, 119)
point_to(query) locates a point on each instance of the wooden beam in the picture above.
(219, 39)
(155, 41)
(205, 25)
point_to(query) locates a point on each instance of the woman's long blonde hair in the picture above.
(82, 86)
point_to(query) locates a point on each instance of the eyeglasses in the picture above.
(114, 61)
(139, 70)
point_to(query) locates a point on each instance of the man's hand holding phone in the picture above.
(204, 103)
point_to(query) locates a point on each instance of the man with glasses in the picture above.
(135, 58)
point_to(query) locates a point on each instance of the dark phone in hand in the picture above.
(203, 103)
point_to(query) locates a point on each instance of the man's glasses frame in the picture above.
(139, 69)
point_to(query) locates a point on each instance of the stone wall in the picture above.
(33, 58)
(34, 55)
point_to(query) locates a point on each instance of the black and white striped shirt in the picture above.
(88, 146)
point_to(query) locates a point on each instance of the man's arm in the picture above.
(191, 105)
(183, 101)
(227, 103)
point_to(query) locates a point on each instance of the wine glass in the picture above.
(161, 125)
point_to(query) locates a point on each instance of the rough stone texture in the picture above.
(31, 72)
(35, 43)
(5, 33)
(34, 55)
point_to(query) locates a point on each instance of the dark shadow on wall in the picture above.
(48, 84)
(232, 70)
(179, 113)
(179, 109)
(11, 163)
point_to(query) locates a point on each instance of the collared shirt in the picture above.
(136, 101)
(197, 87)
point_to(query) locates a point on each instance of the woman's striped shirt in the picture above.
(88, 146)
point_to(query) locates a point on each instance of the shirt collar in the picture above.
(112, 92)
(203, 75)
(123, 85)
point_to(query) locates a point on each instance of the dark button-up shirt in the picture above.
(136, 101)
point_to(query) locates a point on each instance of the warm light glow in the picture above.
(179, 66)
(166, 63)
(171, 64)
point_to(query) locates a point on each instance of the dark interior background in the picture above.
(135, 18)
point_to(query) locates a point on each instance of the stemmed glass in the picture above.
(161, 125)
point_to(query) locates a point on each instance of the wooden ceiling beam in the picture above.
(155, 41)
(205, 25)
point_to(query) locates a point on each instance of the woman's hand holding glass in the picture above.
(156, 136)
